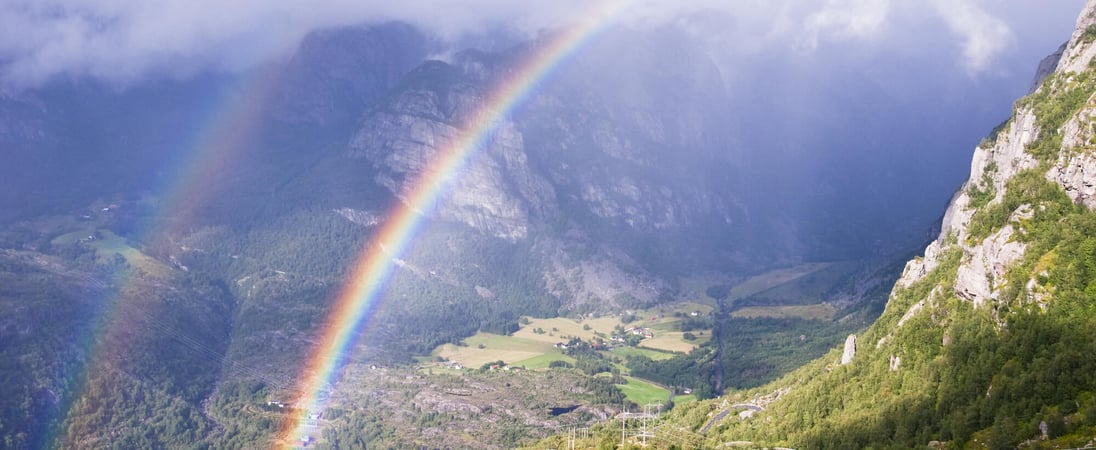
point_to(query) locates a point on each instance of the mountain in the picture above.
(987, 339)
(181, 241)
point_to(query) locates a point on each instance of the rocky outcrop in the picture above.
(984, 266)
(985, 263)
(849, 352)
(495, 191)
(1076, 173)
(598, 284)
(1079, 52)
(363, 218)
(1075, 169)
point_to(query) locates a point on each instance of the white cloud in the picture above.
(854, 19)
(983, 36)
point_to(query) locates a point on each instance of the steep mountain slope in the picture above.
(987, 340)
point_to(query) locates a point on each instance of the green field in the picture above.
(108, 245)
(542, 361)
(560, 329)
(628, 352)
(809, 289)
(661, 320)
(773, 278)
(642, 392)
(509, 349)
(536, 350)
(817, 312)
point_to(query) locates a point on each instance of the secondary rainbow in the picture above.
(221, 129)
(358, 297)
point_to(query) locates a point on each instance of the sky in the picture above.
(124, 41)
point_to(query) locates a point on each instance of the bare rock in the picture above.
(1078, 53)
(985, 266)
(850, 349)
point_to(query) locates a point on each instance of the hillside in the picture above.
(986, 340)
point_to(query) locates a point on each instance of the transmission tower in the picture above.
(650, 412)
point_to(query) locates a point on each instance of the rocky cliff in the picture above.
(1053, 140)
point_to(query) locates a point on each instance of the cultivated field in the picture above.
(642, 392)
(556, 328)
(510, 349)
(108, 244)
(817, 311)
(771, 279)
(628, 352)
(674, 341)
(533, 345)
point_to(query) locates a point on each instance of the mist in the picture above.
(124, 41)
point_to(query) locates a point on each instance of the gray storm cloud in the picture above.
(126, 40)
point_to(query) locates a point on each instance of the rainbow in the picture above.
(358, 297)
(221, 129)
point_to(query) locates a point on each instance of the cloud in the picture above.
(983, 36)
(126, 40)
(123, 40)
(856, 19)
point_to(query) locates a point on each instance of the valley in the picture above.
(683, 225)
(607, 347)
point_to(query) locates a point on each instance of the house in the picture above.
(694, 313)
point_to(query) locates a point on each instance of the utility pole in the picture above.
(623, 422)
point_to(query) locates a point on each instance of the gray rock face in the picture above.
(1075, 170)
(1078, 53)
(996, 164)
(363, 218)
(1077, 175)
(984, 264)
(983, 269)
(495, 191)
(850, 350)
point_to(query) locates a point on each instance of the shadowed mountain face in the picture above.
(616, 144)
